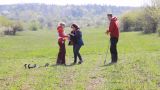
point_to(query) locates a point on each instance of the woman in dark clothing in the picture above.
(76, 39)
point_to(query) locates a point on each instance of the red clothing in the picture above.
(61, 34)
(113, 28)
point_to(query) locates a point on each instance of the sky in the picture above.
(78, 2)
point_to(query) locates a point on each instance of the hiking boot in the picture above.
(64, 64)
(113, 62)
(80, 62)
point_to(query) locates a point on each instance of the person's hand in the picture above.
(107, 32)
(65, 38)
(71, 34)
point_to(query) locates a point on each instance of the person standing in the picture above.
(114, 37)
(76, 37)
(61, 42)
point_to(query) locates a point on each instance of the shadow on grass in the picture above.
(109, 64)
(69, 65)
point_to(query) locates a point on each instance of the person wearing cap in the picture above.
(114, 37)
(61, 42)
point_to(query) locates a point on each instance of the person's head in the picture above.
(62, 24)
(109, 16)
(74, 27)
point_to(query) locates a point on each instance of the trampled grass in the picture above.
(137, 68)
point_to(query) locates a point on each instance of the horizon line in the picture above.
(72, 4)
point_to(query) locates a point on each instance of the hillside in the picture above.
(50, 15)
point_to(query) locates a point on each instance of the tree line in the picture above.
(39, 16)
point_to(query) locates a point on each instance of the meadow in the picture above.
(138, 67)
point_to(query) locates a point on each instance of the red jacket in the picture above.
(61, 34)
(114, 28)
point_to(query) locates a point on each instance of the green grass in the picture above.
(137, 68)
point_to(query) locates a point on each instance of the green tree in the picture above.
(152, 16)
(132, 21)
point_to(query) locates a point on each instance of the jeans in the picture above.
(76, 49)
(113, 49)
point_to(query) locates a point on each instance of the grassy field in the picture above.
(138, 67)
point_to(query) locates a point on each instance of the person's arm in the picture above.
(62, 33)
(116, 26)
(111, 27)
(71, 34)
(78, 34)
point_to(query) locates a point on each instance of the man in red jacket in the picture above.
(114, 36)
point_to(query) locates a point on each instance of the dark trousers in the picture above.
(61, 54)
(113, 49)
(76, 49)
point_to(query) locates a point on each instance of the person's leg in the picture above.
(77, 48)
(113, 50)
(75, 55)
(59, 59)
(63, 53)
(80, 57)
(78, 53)
(116, 53)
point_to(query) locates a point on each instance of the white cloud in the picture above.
(78, 2)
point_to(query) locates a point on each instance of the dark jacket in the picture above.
(77, 38)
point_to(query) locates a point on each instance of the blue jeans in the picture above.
(76, 49)
(113, 49)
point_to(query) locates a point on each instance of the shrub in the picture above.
(132, 21)
(18, 27)
(9, 31)
(34, 26)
